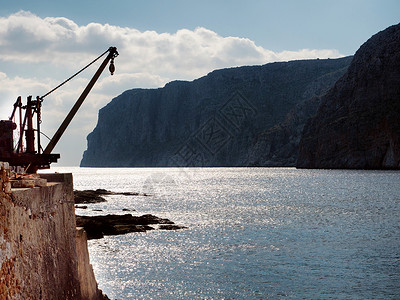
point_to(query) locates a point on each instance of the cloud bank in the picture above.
(38, 53)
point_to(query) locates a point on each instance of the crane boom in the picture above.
(53, 142)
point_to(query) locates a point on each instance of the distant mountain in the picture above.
(358, 122)
(230, 117)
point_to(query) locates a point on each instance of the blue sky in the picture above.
(44, 42)
(276, 25)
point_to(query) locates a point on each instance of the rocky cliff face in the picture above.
(357, 124)
(216, 120)
(278, 146)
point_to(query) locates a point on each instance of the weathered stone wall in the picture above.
(87, 280)
(38, 253)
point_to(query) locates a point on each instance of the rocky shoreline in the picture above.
(98, 226)
(95, 196)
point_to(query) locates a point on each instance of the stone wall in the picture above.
(87, 280)
(38, 252)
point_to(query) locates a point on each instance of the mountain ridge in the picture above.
(171, 126)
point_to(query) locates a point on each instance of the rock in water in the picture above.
(358, 122)
(95, 196)
(88, 196)
(98, 226)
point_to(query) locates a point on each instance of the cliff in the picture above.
(357, 124)
(278, 146)
(216, 120)
(42, 256)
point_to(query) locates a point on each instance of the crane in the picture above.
(29, 158)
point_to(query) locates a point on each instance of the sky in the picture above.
(42, 43)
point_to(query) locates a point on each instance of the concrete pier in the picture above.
(42, 255)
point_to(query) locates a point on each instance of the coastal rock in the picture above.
(87, 197)
(171, 227)
(357, 124)
(98, 226)
(127, 209)
(95, 196)
(215, 120)
(81, 206)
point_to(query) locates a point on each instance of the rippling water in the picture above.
(254, 233)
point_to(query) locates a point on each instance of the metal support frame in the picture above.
(33, 160)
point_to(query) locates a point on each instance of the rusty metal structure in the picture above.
(27, 156)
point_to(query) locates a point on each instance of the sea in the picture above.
(252, 233)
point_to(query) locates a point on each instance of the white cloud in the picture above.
(186, 53)
(54, 48)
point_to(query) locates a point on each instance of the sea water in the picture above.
(253, 233)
